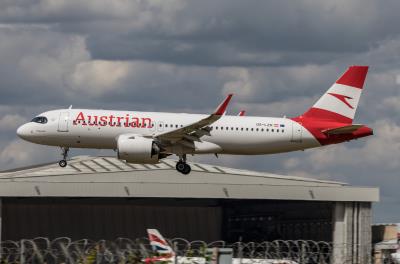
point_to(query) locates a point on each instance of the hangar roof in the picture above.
(87, 176)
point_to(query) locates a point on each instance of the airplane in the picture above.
(166, 254)
(148, 137)
(395, 257)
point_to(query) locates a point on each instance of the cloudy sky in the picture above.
(277, 57)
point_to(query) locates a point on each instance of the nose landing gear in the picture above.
(63, 162)
(182, 166)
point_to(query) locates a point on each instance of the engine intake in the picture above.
(138, 149)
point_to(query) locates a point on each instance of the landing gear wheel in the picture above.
(187, 169)
(183, 167)
(180, 166)
(62, 163)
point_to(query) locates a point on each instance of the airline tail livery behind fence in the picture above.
(147, 137)
(165, 254)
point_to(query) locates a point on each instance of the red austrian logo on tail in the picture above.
(343, 98)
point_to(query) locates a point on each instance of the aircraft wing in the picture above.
(342, 130)
(196, 130)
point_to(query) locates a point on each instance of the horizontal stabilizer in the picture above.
(342, 130)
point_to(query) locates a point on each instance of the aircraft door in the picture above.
(63, 122)
(297, 131)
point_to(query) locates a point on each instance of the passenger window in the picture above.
(257, 129)
(252, 129)
(272, 130)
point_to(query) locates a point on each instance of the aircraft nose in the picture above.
(23, 131)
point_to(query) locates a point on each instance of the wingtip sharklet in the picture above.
(221, 109)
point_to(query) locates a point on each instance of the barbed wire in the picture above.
(42, 250)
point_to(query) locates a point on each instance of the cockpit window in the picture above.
(40, 120)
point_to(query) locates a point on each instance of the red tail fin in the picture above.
(340, 102)
(331, 117)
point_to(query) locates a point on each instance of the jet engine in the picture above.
(138, 149)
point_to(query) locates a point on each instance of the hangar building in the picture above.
(105, 198)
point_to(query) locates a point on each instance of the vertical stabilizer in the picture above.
(158, 243)
(340, 102)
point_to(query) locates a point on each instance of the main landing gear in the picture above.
(63, 162)
(182, 166)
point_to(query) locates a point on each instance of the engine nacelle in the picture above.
(137, 149)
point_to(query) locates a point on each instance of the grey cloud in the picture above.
(244, 34)
(34, 63)
(11, 122)
(224, 33)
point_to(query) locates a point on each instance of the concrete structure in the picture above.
(104, 197)
(385, 239)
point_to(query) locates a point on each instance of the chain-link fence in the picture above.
(124, 251)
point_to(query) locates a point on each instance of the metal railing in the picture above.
(124, 250)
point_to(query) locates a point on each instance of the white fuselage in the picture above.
(82, 128)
